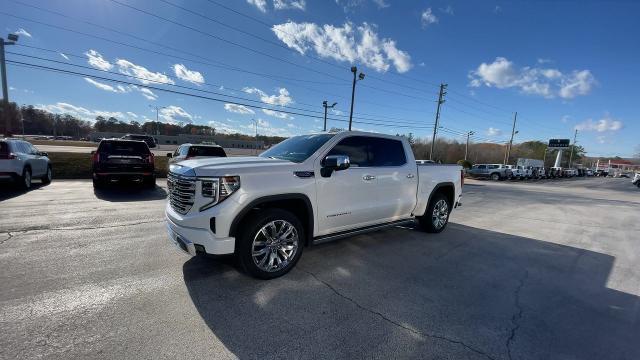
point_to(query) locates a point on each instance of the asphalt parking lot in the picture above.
(535, 270)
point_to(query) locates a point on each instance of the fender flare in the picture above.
(437, 188)
(265, 199)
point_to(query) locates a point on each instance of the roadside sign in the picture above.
(559, 143)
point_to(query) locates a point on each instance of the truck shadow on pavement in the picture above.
(466, 293)
(129, 193)
(9, 190)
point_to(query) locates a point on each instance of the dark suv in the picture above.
(118, 160)
(150, 140)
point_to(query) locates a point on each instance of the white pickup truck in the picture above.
(306, 190)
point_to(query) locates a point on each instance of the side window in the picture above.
(482, 166)
(387, 152)
(493, 166)
(356, 148)
(184, 150)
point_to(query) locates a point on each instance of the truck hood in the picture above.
(220, 166)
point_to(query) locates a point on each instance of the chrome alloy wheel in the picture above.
(440, 214)
(275, 245)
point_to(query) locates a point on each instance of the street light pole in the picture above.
(575, 135)
(325, 105)
(466, 148)
(354, 70)
(5, 88)
(157, 109)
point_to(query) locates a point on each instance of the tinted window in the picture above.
(297, 148)
(357, 148)
(123, 147)
(386, 152)
(493, 166)
(4, 148)
(206, 151)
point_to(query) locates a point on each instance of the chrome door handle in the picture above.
(368, 177)
(410, 176)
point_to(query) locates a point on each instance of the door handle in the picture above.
(410, 176)
(368, 177)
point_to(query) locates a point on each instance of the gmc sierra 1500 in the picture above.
(306, 190)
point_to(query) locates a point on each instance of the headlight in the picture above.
(218, 189)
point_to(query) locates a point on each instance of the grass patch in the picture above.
(78, 165)
(64, 143)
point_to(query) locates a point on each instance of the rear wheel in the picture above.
(46, 179)
(436, 218)
(270, 243)
(495, 176)
(25, 179)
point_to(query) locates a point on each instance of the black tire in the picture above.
(149, 182)
(428, 221)
(98, 183)
(25, 179)
(495, 176)
(250, 229)
(46, 179)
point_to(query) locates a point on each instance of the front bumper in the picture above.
(189, 239)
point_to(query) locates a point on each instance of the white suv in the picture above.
(21, 162)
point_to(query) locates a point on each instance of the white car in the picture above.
(306, 190)
(636, 180)
(21, 162)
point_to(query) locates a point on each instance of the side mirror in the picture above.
(334, 163)
(42, 153)
(169, 155)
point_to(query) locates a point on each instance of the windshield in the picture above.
(206, 151)
(297, 148)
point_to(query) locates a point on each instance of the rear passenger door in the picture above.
(397, 178)
(39, 162)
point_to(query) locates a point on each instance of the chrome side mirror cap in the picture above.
(334, 163)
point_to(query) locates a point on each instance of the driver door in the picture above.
(348, 198)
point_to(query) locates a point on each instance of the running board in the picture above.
(343, 234)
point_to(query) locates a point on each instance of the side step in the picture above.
(343, 234)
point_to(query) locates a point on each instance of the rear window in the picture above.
(206, 151)
(123, 147)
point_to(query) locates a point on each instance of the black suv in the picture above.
(118, 160)
(150, 140)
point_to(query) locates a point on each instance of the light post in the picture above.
(325, 105)
(157, 109)
(13, 38)
(360, 77)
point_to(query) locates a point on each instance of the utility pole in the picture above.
(255, 122)
(157, 109)
(513, 133)
(466, 148)
(325, 105)
(443, 92)
(575, 135)
(5, 89)
(360, 77)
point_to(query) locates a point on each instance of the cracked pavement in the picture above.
(525, 271)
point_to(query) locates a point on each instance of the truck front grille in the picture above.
(182, 192)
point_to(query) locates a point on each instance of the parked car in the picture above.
(150, 140)
(118, 160)
(588, 172)
(21, 162)
(306, 190)
(492, 171)
(636, 180)
(192, 151)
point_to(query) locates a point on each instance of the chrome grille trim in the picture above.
(182, 192)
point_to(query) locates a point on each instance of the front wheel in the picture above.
(46, 179)
(25, 179)
(436, 218)
(270, 243)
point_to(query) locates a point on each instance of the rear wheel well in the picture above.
(448, 191)
(298, 206)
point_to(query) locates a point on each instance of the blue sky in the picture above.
(561, 65)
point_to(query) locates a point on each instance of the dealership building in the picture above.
(186, 138)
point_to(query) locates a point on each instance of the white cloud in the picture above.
(545, 82)
(132, 114)
(175, 114)
(97, 61)
(448, 10)
(78, 111)
(381, 4)
(282, 98)
(224, 128)
(185, 74)
(238, 109)
(603, 125)
(565, 119)
(494, 132)
(544, 61)
(260, 4)
(141, 73)
(427, 18)
(290, 4)
(349, 5)
(263, 123)
(346, 43)
(22, 32)
(121, 89)
(277, 114)
(64, 56)
(497, 9)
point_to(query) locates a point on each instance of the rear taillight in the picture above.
(462, 177)
(96, 157)
(151, 159)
